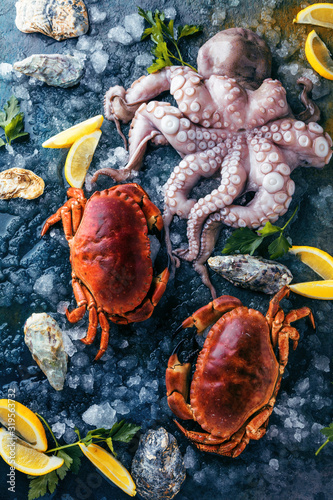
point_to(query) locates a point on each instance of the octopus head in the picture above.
(236, 53)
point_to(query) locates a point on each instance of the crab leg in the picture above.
(146, 308)
(76, 314)
(209, 314)
(76, 199)
(200, 437)
(274, 304)
(104, 336)
(177, 384)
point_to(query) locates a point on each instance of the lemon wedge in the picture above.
(20, 455)
(321, 262)
(110, 467)
(79, 158)
(319, 14)
(318, 55)
(27, 424)
(66, 138)
(322, 290)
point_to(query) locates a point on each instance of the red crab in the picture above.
(237, 376)
(112, 273)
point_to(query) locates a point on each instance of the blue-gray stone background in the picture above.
(129, 380)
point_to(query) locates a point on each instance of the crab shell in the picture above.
(236, 372)
(110, 252)
(237, 376)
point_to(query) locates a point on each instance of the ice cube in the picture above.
(99, 61)
(134, 25)
(58, 429)
(102, 415)
(120, 35)
(96, 16)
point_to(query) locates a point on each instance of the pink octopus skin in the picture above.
(242, 128)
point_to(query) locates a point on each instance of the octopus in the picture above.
(232, 120)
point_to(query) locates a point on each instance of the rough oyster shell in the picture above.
(20, 183)
(44, 340)
(158, 468)
(58, 70)
(246, 271)
(59, 19)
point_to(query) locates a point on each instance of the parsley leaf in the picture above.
(126, 432)
(12, 121)
(163, 36)
(244, 240)
(39, 485)
(328, 432)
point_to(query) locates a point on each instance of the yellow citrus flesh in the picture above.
(79, 158)
(24, 422)
(318, 55)
(322, 290)
(20, 455)
(319, 14)
(110, 467)
(321, 262)
(66, 138)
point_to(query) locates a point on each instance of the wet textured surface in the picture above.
(129, 380)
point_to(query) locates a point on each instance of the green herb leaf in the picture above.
(67, 459)
(110, 445)
(11, 120)
(188, 30)
(279, 247)
(75, 453)
(2, 142)
(269, 229)
(39, 485)
(126, 433)
(328, 432)
(163, 37)
(243, 240)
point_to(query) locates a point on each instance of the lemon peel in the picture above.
(67, 137)
(318, 14)
(110, 467)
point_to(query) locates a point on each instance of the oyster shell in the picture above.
(44, 339)
(20, 183)
(59, 19)
(58, 70)
(158, 468)
(246, 271)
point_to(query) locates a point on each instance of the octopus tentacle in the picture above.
(233, 178)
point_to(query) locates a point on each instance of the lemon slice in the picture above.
(27, 425)
(321, 262)
(20, 455)
(79, 158)
(112, 469)
(318, 55)
(66, 138)
(319, 14)
(322, 290)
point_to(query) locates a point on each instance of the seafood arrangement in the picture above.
(232, 118)
(59, 19)
(44, 339)
(232, 124)
(58, 70)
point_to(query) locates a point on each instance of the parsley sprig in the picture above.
(245, 240)
(328, 432)
(12, 121)
(120, 431)
(163, 36)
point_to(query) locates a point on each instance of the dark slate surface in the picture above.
(35, 274)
